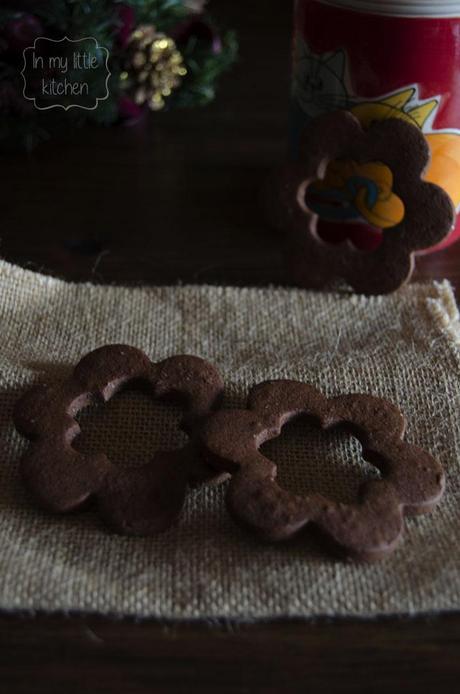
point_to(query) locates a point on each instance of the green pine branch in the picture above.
(99, 19)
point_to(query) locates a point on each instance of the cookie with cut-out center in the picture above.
(139, 501)
(350, 177)
(412, 481)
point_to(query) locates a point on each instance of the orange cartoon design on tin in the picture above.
(350, 191)
(444, 168)
(362, 194)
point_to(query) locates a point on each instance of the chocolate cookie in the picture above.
(345, 172)
(412, 482)
(138, 501)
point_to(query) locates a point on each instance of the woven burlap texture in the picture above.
(402, 347)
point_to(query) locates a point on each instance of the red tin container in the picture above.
(382, 59)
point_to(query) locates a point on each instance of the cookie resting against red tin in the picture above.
(135, 501)
(412, 481)
(375, 174)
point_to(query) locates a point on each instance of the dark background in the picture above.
(176, 198)
(172, 198)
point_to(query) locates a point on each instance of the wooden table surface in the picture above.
(176, 198)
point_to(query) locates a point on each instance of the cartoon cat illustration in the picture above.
(319, 83)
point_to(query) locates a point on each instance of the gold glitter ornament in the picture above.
(154, 67)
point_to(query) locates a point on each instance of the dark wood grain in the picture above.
(176, 198)
(54, 655)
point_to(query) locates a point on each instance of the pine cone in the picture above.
(154, 67)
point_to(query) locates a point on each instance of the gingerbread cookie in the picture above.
(138, 501)
(372, 178)
(412, 482)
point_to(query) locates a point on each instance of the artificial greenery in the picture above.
(21, 123)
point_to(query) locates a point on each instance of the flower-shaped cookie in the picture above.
(137, 501)
(346, 173)
(412, 482)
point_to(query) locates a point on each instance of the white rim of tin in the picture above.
(404, 8)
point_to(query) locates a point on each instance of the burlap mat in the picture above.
(403, 347)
